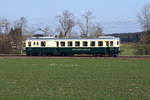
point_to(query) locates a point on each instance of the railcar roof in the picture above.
(102, 38)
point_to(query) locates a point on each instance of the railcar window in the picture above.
(37, 43)
(43, 43)
(85, 43)
(34, 43)
(77, 43)
(117, 42)
(111, 43)
(100, 43)
(70, 44)
(29, 44)
(107, 43)
(92, 43)
(62, 44)
(57, 44)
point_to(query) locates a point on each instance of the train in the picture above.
(47, 46)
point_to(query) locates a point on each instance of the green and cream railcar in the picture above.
(49, 46)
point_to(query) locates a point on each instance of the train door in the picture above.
(107, 48)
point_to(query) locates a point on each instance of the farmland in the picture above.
(74, 79)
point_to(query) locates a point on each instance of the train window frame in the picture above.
(85, 43)
(77, 43)
(43, 43)
(62, 43)
(117, 42)
(111, 43)
(107, 43)
(70, 43)
(29, 44)
(92, 44)
(57, 44)
(100, 43)
(34, 43)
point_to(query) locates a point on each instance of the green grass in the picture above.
(74, 79)
(127, 49)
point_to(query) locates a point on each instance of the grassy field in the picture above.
(74, 79)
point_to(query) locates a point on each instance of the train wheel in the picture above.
(27, 54)
(115, 55)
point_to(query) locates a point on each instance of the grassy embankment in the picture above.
(74, 79)
(127, 49)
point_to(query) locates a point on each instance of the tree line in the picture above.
(128, 37)
(11, 38)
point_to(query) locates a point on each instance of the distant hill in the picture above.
(128, 37)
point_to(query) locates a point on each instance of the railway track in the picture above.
(103, 57)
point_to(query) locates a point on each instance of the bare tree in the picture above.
(85, 27)
(143, 48)
(5, 45)
(82, 30)
(4, 26)
(19, 27)
(144, 18)
(21, 23)
(87, 16)
(96, 31)
(66, 21)
(88, 29)
(4, 38)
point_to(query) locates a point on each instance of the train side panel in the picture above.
(71, 51)
(45, 46)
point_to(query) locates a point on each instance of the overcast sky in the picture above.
(113, 15)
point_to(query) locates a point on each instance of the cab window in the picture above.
(57, 43)
(117, 42)
(43, 43)
(29, 44)
(33, 43)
